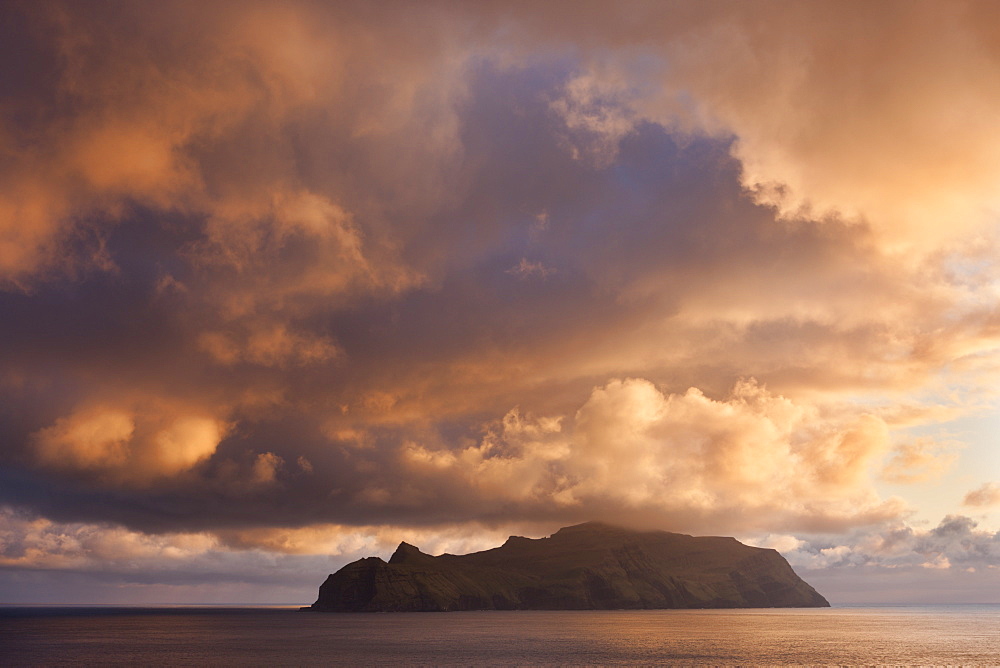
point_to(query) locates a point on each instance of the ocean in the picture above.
(274, 636)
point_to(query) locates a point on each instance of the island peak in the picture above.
(593, 565)
(408, 554)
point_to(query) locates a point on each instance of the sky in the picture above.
(285, 283)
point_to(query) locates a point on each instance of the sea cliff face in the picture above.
(590, 566)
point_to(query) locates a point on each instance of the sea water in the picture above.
(938, 635)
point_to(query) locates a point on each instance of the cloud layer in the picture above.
(753, 460)
(303, 267)
(954, 562)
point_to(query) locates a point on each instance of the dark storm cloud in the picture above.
(433, 364)
(272, 267)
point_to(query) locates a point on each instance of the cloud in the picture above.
(108, 563)
(342, 265)
(199, 124)
(954, 562)
(268, 346)
(598, 116)
(39, 543)
(348, 541)
(96, 438)
(986, 495)
(956, 543)
(919, 460)
(50, 562)
(265, 467)
(751, 460)
(270, 254)
(129, 444)
(526, 269)
(811, 121)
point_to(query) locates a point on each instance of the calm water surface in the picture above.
(941, 635)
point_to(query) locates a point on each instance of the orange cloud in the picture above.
(244, 244)
(265, 468)
(920, 460)
(753, 460)
(879, 113)
(986, 495)
(130, 442)
(269, 346)
(341, 540)
(40, 543)
(195, 123)
(96, 438)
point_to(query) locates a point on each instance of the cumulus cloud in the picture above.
(956, 543)
(293, 246)
(752, 460)
(954, 562)
(40, 543)
(130, 444)
(93, 439)
(279, 565)
(795, 84)
(297, 263)
(195, 124)
(265, 467)
(34, 542)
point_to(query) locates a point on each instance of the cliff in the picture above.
(588, 566)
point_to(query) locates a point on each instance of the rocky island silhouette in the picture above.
(590, 566)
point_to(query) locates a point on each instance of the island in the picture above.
(590, 566)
